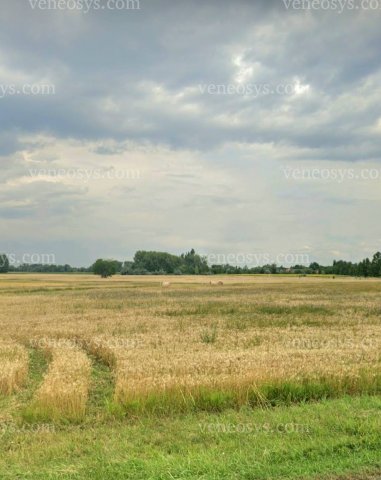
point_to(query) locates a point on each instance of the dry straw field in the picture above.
(14, 367)
(140, 347)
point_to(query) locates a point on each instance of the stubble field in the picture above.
(79, 353)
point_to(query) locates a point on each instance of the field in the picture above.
(120, 378)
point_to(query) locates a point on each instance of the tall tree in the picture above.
(105, 268)
(4, 263)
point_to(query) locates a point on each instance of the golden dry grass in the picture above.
(249, 332)
(13, 367)
(64, 391)
(239, 359)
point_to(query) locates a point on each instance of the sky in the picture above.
(231, 127)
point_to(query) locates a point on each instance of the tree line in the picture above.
(191, 263)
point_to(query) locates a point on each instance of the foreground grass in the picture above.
(322, 440)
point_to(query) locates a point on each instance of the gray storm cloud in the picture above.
(211, 102)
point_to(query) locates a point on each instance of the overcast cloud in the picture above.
(185, 124)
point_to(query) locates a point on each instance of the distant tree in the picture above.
(4, 263)
(105, 268)
(128, 268)
(376, 265)
(273, 268)
(218, 269)
(155, 262)
(192, 263)
(315, 267)
(364, 268)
